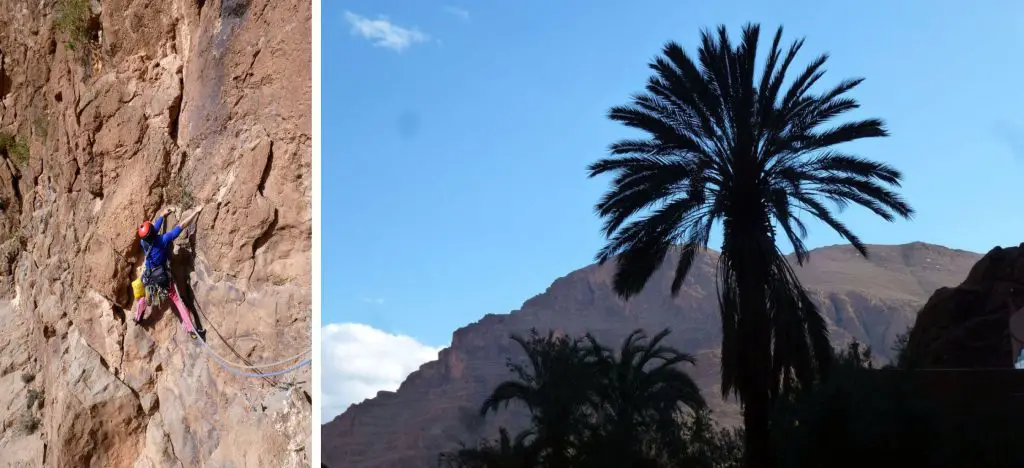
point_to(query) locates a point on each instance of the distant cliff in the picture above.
(110, 110)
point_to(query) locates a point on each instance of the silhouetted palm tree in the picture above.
(725, 145)
(640, 400)
(557, 387)
(506, 453)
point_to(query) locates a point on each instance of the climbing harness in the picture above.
(157, 280)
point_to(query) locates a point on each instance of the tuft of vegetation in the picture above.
(29, 423)
(899, 351)
(178, 194)
(33, 395)
(280, 280)
(15, 148)
(27, 377)
(73, 20)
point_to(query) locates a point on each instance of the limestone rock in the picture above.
(158, 103)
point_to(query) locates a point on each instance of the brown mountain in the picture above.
(871, 301)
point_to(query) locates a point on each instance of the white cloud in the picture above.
(359, 360)
(383, 33)
(456, 11)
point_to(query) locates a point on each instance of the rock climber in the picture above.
(156, 274)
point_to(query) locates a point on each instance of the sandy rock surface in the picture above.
(109, 111)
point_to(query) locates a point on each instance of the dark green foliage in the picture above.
(557, 385)
(29, 423)
(640, 400)
(178, 194)
(503, 453)
(706, 445)
(899, 350)
(725, 143)
(593, 407)
(73, 20)
(860, 416)
(15, 148)
(33, 396)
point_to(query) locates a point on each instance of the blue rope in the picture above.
(223, 365)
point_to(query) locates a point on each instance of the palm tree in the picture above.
(724, 145)
(506, 453)
(640, 399)
(557, 387)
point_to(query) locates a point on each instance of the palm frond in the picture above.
(507, 392)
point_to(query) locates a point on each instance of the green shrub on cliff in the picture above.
(73, 20)
(15, 148)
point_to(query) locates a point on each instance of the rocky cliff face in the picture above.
(109, 111)
(871, 301)
(968, 326)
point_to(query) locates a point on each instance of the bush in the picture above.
(33, 396)
(29, 423)
(860, 416)
(73, 20)
(178, 194)
(16, 149)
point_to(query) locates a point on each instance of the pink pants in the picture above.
(186, 316)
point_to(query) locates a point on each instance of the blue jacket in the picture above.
(158, 251)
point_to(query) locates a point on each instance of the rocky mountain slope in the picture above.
(109, 111)
(871, 301)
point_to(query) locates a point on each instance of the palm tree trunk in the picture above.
(750, 244)
(757, 401)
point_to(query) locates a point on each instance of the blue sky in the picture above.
(456, 135)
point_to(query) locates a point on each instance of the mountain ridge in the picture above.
(871, 300)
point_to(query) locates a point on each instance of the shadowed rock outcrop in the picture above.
(872, 301)
(113, 109)
(968, 326)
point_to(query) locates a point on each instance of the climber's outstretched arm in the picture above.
(158, 222)
(190, 218)
(176, 231)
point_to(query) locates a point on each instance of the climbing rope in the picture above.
(252, 366)
(234, 367)
(223, 365)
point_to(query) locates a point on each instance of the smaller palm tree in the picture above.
(557, 387)
(506, 453)
(641, 399)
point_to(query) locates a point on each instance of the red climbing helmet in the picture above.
(145, 229)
